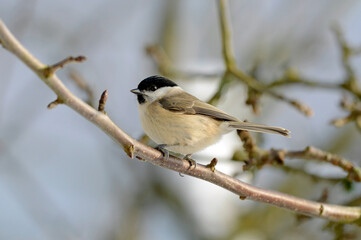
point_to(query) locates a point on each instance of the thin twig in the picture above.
(228, 53)
(53, 68)
(350, 82)
(354, 109)
(225, 81)
(291, 77)
(312, 153)
(135, 148)
(254, 96)
(298, 105)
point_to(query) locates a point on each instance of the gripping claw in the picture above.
(161, 147)
(190, 160)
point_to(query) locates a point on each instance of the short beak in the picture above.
(136, 91)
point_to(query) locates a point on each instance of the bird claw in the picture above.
(190, 160)
(161, 147)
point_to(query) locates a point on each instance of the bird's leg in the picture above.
(161, 147)
(190, 160)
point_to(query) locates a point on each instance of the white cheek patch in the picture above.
(159, 93)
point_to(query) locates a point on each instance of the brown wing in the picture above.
(188, 104)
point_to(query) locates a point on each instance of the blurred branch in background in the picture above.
(256, 157)
(256, 88)
(350, 83)
(355, 113)
(83, 85)
(142, 152)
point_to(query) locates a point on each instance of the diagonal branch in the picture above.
(141, 151)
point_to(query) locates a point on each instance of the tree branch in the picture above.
(53, 68)
(354, 173)
(141, 151)
(257, 157)
(291, 76)
(354, 109)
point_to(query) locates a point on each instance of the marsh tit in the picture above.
(179, 122)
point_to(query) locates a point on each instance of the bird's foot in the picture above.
(190, 160)
(161, 147)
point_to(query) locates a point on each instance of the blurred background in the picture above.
(62, 178)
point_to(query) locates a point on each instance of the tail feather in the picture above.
(259, 128)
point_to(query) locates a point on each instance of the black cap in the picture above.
(155, 82)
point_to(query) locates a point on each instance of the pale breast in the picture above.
(184, 133)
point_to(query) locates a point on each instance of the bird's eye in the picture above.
(153, 88)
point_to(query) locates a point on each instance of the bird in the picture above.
(180, 122)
